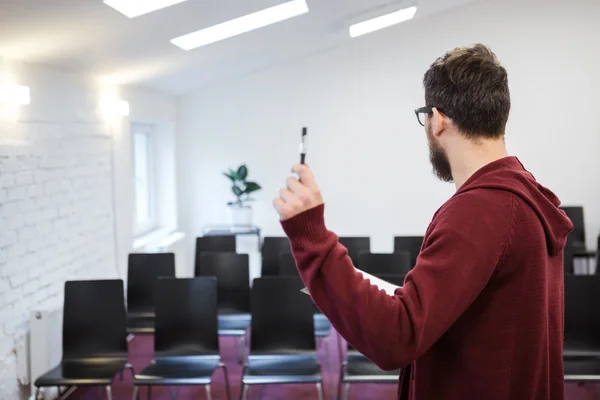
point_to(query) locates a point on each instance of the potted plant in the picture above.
(241, 211)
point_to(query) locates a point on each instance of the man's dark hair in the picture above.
(469, 85)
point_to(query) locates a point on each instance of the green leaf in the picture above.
(237, 191)
(242, 172)
(230, 175)
(251, 187)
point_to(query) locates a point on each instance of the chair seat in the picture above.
(234, 324)
(265, 370)
(582, 368)
(360, 369)
(72, 373)
(322, 325)
(140, 323)
(178, 371)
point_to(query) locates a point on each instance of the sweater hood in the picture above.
(509, 174)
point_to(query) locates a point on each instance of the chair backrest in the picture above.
(225, 243)
(598, 256)
(232, 271)
(142, 272)
(582, 312)
(412, 244)
(282, 317)
(356, 246)
(575, 214)
(94, 320)
(569, 252)
(386, 263)
(186, 317)
(287, 265)
(271, 248)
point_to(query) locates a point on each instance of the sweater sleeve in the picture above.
(465, 244)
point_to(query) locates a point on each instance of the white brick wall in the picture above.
(56, 223)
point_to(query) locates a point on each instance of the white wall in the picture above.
(65, 191)
(159, 111)
(366, 148)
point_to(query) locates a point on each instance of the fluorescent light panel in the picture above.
(135, 8)
(240, 25)
(14, 94)
(385, 21)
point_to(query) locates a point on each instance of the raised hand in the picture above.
(299, 195)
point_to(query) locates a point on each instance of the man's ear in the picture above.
(439, 122)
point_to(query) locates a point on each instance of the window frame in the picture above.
(149, 131)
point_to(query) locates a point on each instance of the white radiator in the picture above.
(45, 345)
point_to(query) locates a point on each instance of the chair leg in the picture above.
(130, 367)
(136, 392)
(346, 391)
(208, 394)
(241, 349)
(320, 391)
(226, 375)
(108, 392)
(245, 390)
(340, 383)
(326, 349)
(38, 391)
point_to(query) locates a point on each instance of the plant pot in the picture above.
(241, 216)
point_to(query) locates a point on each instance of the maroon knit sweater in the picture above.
(480, 316)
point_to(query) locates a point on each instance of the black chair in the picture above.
(233, 286)
(142, 272)
(226, 243)
(271, 248)
(569, 256)
(186, 341)
(412, 244)
(598, 256)
(355, 367)
(94, 337)
(282, 344)
(356, 246)
(581, 353)
(398, 263)
(287, 265)
(575, 214)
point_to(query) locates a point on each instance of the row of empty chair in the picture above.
(282, 345)
(274, 247)
(282, 340)
(231, 271)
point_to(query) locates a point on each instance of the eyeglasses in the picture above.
(422, 113)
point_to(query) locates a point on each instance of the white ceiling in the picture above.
(86, 36)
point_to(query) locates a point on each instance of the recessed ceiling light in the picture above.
(135, 8)
(240, 25)
(375, 24)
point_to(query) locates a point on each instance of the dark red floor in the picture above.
(140, 354)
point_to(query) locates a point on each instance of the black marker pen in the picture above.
(303, 146)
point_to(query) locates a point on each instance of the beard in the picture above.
(439, 159)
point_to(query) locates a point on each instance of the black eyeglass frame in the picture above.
(423, 110)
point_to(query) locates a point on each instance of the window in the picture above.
(143, 156)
